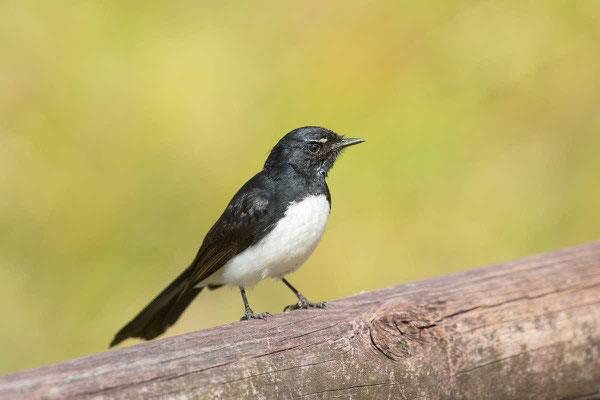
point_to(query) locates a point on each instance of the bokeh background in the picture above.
(126, 127)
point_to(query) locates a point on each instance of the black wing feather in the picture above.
(244, 221)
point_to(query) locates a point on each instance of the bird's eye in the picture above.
(314, 147)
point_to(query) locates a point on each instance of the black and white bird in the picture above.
(269, 229)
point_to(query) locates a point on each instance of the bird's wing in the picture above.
(244, 222)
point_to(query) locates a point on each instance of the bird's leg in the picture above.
(249, 314)
(302, 302)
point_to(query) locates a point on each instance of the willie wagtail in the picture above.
(269, 229)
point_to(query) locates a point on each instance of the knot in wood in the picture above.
(400, 335)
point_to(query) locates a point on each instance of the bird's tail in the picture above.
(161, 313)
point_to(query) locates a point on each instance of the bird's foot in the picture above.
(249, 314)
(304, 304)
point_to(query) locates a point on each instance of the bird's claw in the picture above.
(304, 305)
(250, 315)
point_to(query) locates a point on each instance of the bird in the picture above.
(269, 229)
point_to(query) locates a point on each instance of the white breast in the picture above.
(281, 251)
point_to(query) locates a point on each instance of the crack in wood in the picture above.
(376, 346)
(400, 334)
(546, 314)
(366, 385)
(189, 389)
(490, 306)
(587, 396)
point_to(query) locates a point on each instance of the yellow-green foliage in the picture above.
(125, 127)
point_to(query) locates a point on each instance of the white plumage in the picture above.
(281, 251)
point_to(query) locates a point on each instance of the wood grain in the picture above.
(524, 329)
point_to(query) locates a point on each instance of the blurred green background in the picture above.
(126, 127)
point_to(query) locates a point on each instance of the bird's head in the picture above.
(310, 150)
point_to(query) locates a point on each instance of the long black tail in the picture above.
(161, 313)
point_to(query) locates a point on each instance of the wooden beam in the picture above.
(524, 329)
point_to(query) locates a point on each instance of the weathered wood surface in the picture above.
(525, 329)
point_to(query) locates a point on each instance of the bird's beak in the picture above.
(346, 142)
